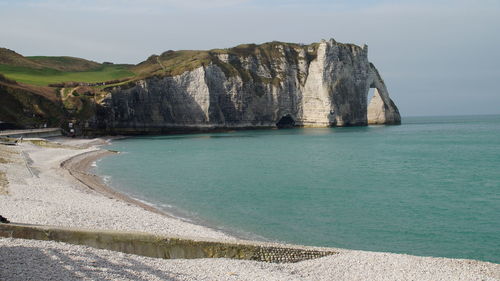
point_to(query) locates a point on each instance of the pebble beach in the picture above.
(48, 183)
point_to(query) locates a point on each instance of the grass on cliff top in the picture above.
(173, 63)
(42, 71)
(46, 76)
(65, 63)
(9, 57)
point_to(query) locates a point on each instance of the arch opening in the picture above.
(286, 122)
(371, 92)
(375, 112)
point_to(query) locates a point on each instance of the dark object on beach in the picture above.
(8, 141)
(3, 220)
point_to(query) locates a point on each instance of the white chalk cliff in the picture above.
(273, 84)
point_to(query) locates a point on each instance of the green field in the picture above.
(46, 76)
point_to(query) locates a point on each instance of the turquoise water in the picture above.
(428, 187)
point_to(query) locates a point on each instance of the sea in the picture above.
(428, 187)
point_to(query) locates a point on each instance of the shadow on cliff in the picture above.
(155, 110)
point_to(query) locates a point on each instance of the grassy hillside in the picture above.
(27, 107)
(65, 63)
(9, 57)
(46, 76)
(42, 71)
(26, 99)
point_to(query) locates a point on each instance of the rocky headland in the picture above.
(269, 85)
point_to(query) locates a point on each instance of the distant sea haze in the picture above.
(430, 186)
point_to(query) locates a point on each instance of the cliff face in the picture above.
(274, 84)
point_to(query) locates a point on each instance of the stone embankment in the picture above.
(158, 246)
(32, 133)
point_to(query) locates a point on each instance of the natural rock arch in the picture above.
(320, 85)
(381, 109)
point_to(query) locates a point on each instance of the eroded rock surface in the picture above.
(318, 85)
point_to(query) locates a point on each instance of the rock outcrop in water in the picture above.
(273, 84)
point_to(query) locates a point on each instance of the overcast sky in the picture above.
(437, 57)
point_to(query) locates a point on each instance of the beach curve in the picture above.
(54, 197)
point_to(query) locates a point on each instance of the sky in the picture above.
(439, 57)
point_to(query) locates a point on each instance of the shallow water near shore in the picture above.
(428, 187)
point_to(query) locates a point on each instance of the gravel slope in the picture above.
(42, 260)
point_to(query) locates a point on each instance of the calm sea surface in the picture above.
(428, 187)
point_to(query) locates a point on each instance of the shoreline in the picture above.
(79, 167)
(64, 194)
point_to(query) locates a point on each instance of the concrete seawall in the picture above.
(33, 133)
(149, 245)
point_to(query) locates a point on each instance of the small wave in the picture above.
(166, 206)
(106, 179)
(142, 201)
(170, 210)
